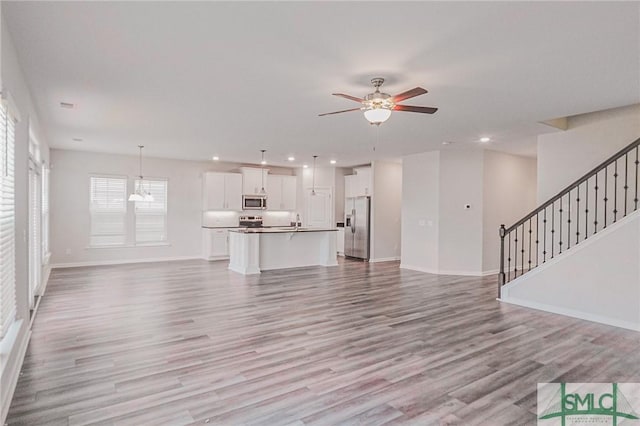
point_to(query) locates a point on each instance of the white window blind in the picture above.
(45, 212)
(151, 216)
(35, 247)
(108, 208)
(7, 222)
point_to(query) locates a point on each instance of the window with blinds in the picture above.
(35, 248)
(151, 216)
(108, 209)
(7, 222)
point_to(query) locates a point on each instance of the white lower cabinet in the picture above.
(216, 243)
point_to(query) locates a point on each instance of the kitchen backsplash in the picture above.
(230, 219)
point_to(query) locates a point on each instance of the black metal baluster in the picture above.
(515, 254)
(522, 251)
(578, 214)
(586, 209)
(595, 207)
(530, 231)
(560, 231)
(544, 236)
(509, 259)
(626, 182)
(537, 239)
(569, 220)
(604, 223)
(635, 198)
(615, 192)
(553, 225)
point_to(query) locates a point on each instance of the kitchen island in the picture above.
(253, 250)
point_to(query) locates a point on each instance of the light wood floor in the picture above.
(190, 342)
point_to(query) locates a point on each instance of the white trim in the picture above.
(572, 313)
(121, 246)
(490, 272)
(445, 272)
(123, 261)
(418, 268)
(385, 259)
(10, 378)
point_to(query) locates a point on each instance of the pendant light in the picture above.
(313, 177)
(262, 163)
(140, 194)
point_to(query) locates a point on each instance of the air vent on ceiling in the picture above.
(67, 105)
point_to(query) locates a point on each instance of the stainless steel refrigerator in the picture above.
(357, 227)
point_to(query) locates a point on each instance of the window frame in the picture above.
(91, 243)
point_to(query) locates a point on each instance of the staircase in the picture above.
(589, 205)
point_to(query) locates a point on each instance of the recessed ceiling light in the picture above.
(446, 143)
(216, 158)
(333, 161)
(291, 158)
(305, 166)
(77, 139)
(67, 105)
(485, 139)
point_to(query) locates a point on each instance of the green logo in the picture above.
(585, 403)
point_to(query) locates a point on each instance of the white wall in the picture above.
(460, 243)
(386, 210)
(590, 139)
(70, 219)
(12, 347)
(441, 235)
(509, 185)
(585, 284)
(420, 211)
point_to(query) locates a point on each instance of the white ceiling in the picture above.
(192, 80)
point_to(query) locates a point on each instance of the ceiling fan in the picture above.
(377, 106)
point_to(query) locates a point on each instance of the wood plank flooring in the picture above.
(189, 342)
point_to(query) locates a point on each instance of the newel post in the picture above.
(501, 275)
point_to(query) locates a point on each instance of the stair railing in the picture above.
(601, 197)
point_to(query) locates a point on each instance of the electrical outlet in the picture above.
(67, 251)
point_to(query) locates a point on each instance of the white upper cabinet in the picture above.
(358, 184)
(252, 180)
(282, 192)
(222, 191)
(349, 186)
(363, 178)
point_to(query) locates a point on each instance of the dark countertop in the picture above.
(281, 230)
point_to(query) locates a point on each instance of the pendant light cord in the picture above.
(313, 176)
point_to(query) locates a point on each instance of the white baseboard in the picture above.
(418, 268)
(10, 378)
(384, 259)
(448, 272)
(572, 313)
(123, 261)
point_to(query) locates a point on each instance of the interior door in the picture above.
(319, 208)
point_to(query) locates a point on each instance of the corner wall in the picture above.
(439, 233)
(386, 211)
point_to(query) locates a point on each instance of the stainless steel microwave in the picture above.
(254, 202)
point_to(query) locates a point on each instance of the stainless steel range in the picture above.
(251, 221)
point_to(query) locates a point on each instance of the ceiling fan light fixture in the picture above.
(377, 115)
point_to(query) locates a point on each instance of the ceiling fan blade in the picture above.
(353, 98)
(339, 112)
(409, 108)
(416, 91)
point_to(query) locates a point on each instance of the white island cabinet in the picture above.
(254, 250)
